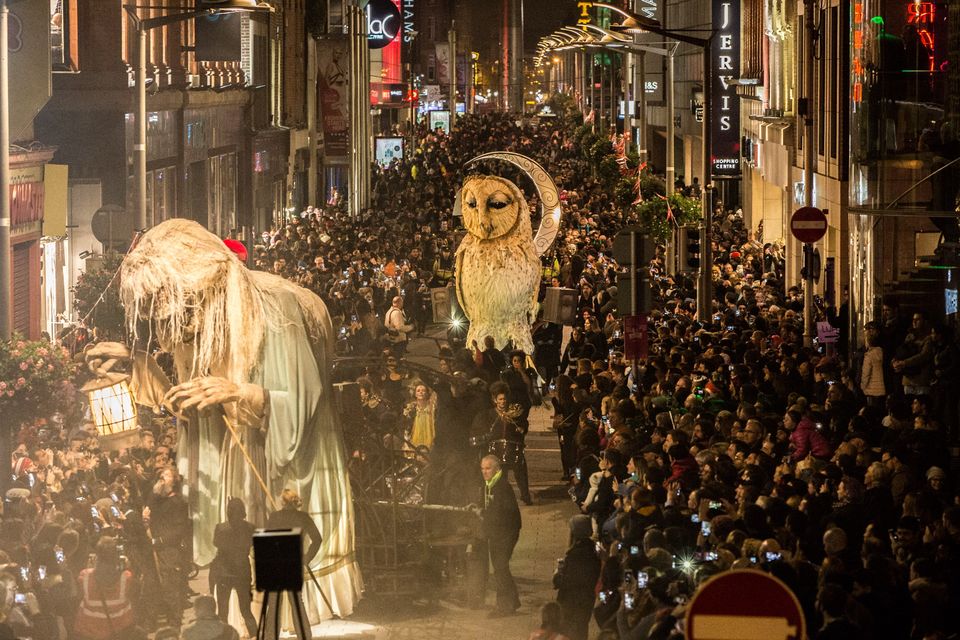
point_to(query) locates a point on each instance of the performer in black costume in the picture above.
(505, 426)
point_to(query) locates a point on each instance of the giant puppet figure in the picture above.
(498, 262)
(253, 347)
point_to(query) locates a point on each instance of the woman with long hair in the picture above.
(422, 412)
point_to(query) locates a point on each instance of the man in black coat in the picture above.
(500, 528)
(231, 568)
(169, 520)
(576, 578)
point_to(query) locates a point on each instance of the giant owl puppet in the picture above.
(498, 262)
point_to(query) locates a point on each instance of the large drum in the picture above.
(509, 451)
(478, 442)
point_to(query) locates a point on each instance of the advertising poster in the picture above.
(443, 63)
(388, 150)
(333, 68)
(440, 120)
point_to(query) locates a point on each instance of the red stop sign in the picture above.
(744, 605)
(808, 224)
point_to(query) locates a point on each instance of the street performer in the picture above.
(252, 357)
(505, 425)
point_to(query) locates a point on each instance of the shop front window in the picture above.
(905, 104)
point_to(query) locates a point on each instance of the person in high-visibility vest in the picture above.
(107, 592)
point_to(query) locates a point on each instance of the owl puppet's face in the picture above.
(491, 206)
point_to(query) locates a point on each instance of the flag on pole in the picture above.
(636, 187)
(669, 210)
(590, 117)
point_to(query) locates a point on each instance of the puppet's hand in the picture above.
(103, 356)
(201, 393)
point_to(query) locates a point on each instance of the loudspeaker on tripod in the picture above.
(278, 559)
(560, 305)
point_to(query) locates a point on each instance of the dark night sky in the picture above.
(544, 16)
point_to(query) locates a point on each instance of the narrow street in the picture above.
(542, 540)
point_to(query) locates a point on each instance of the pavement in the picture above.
(543, 539)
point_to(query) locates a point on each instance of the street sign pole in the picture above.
(808, 224)
(808, 299)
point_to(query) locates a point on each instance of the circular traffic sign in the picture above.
(744, 605)
(808, 224)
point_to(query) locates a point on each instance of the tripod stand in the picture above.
(278, 557)
(269, 627)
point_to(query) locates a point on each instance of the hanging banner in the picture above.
(443, 63)
(333, 67)
(725, 109)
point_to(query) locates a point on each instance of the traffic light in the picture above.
(689, 248)
(633, 250)
(811, 263)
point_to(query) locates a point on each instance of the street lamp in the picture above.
(635, 24)
(143, 25)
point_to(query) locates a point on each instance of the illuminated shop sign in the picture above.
(584, 18)
(856, 57)
(922, 16)
(408, 30)
(383, 23)
(725, 109)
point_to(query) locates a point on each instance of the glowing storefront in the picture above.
(904, 177)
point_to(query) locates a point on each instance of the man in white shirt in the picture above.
(395, 322)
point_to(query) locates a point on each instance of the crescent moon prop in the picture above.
(547, 191)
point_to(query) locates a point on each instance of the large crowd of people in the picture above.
(731, 446)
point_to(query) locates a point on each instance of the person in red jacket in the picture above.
(107, 594)
(683, 468)
(806, 437)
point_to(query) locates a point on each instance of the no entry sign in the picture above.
(745, 605)
(808, 224)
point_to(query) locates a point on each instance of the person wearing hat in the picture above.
(937, 485)
(576, 578)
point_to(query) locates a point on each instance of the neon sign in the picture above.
(922, 16)
(856, 62)
(584, 18)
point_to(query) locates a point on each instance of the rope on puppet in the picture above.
(83, 321)
(273, 503)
